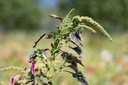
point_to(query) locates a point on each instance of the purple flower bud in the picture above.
(17, 78)
(33, 63)
(25, 69)
(12, 81)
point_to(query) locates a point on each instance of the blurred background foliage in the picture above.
(19, 14)
(112, 14)
(23, 21)
(29, 14)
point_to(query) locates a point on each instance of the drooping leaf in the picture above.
(32, 56)
(74, 68)
(76, 38)
(71, 59)
(76, 49)
(80, 77)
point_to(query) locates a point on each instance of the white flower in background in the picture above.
(106, 55)
(125, 58)
(118, 68)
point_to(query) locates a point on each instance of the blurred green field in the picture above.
(105, 62)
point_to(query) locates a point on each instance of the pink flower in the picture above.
(33, 63)
(90, 70)
(12, 81)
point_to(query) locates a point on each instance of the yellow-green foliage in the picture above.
(80, 22)
(11, 68)
(94, 24)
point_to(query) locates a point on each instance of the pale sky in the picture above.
(48, 3)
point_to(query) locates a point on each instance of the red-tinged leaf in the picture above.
(56, 17)
(39, 40)
(49, 36)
